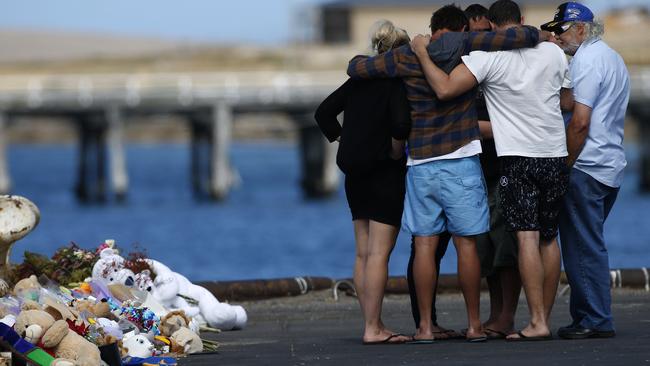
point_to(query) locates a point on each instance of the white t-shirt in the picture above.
(522, 93)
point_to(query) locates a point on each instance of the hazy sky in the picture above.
(258, 21)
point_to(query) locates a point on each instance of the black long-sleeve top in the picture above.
(375, 111)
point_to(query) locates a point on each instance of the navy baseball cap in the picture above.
(565, 13)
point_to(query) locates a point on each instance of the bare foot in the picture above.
(421, 335)
(474, 334)
(385, 336)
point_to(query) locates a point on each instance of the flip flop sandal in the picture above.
(387, 340)
(421, 341)
(495, 334)
(477, 339)
(525, 338)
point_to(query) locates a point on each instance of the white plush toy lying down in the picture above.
(110, 269)
(168, 285)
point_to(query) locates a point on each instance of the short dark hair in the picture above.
(450, 17)
(504, 12)
(476, 11)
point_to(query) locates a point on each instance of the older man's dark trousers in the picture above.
(586, 261)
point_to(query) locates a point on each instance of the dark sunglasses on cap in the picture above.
(562, 28)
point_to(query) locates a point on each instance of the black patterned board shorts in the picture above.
(531, 191)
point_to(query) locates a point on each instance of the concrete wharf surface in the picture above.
(314, 329)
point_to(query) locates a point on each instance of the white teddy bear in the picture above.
(168, 285)
(110, 270)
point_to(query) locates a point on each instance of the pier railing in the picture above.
(253, 88)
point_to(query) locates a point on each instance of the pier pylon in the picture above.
(320, 177)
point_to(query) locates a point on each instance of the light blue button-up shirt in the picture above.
(601, 81)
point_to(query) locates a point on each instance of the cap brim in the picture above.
(552, 26)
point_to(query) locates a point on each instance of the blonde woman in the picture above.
(371, 154)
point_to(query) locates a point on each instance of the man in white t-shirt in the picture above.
(522, 92)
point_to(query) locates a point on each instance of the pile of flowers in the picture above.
(70, 265)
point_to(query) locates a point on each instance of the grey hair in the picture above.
(593, 29)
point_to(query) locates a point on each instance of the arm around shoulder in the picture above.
(384, 65)
(509, 39)
(446, 87)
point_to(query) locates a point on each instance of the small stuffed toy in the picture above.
(109, 269)
(28, 288)
(168, 285)
(39, 327)
(175, 326)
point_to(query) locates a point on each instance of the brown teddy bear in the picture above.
(26, 285)
(38, 326)
(174, 326)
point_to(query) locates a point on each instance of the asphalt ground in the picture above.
(314, 329)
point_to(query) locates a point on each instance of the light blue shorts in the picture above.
(446, 195)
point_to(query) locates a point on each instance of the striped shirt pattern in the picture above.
(440, 127)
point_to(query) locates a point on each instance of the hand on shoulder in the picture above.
(420, 42)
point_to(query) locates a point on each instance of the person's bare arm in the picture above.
(577, 131)
(566, 100)
(446, 87)
(486, 129)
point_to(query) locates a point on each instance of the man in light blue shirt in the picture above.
(601, 90)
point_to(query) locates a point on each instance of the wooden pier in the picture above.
(100, 106)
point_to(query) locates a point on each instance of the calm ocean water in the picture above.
(263, 230)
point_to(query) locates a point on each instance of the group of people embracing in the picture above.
(484, 133)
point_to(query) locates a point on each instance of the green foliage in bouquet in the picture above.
(33, 264)
(73, 264)
(70, 264)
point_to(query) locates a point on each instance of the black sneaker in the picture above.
(578, 332)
